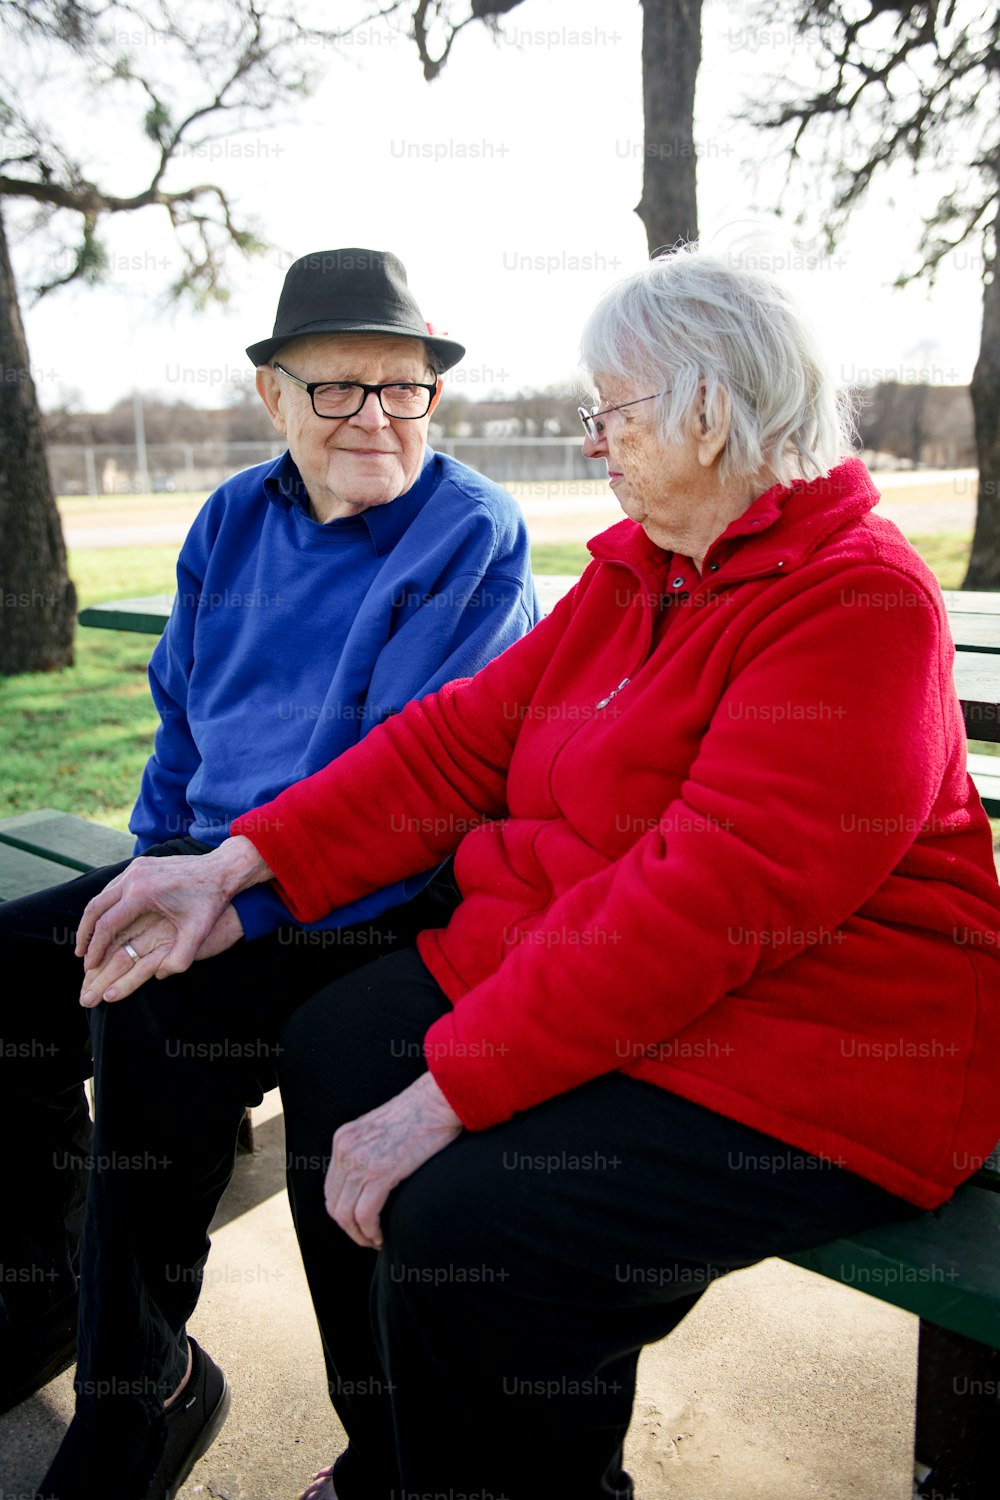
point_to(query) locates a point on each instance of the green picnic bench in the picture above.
(943, 1266)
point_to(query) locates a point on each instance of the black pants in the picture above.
(491, 1347)
(174, 1067)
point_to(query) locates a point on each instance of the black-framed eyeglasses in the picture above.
(405, 400)
(589, 414)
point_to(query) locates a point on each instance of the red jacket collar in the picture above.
(779, 531)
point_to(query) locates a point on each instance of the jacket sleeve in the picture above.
(819, 766)
(162, 810)
(443, 764)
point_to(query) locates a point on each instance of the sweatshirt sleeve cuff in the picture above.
(260, 911)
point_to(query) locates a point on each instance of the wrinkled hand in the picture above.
(152, 938)
(174, 904)
(374, 1153)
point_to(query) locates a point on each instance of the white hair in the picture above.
(689, 321)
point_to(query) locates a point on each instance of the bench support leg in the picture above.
(244, 1137)
(958, 1416)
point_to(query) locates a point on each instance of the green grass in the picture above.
(559, 557)
(78, 739)
(947, 556)
(121, 573)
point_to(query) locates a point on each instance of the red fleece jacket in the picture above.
(715, 832)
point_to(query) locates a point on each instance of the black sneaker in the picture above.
(32, 1354)
(192, 1425)
(116, 1460)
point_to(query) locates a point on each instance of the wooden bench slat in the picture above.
(942, 1266)
(23, 873)
(985, 773)
(989, 1173)
(153, 609)
(147, 615)
(972, 601)
(75, 843)
(975, 675)
(972, 632)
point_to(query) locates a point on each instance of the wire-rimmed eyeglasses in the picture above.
(589, 414)
(405, 400)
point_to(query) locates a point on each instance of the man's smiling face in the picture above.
(349, 463)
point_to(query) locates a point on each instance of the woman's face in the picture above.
(661, 485)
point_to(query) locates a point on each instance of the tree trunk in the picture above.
(671, 54)
(37, 598)
(984, 564)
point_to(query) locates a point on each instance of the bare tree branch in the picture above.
(433, 65)
(925, 90)
(244, 62)
(886, 98)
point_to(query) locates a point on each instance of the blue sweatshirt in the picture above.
(289, 639)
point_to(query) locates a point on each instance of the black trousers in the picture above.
(174, 1067)
(490, 1348)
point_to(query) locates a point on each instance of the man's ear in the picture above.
(269, 391)
(436, 396)
(712, 428)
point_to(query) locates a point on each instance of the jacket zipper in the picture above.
(613, 693)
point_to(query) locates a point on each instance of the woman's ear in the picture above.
(713, 426)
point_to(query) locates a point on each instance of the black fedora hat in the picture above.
(349, 291)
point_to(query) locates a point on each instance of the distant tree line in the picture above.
(919, 424)
(923, 424)
(242, 419)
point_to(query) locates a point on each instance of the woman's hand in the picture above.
(173, 905)
(373, 1154)
(152, 938)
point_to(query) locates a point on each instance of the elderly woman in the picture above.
(721, 982)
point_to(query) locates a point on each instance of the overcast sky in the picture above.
(507, 187)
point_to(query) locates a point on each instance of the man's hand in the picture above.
(173, 905)
(121, 975)
(373, 1154)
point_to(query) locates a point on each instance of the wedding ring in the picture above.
(131, 953)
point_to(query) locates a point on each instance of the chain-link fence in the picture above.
(117, 469)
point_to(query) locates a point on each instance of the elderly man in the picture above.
(316, 596)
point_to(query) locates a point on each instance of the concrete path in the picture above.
(778, 1386)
